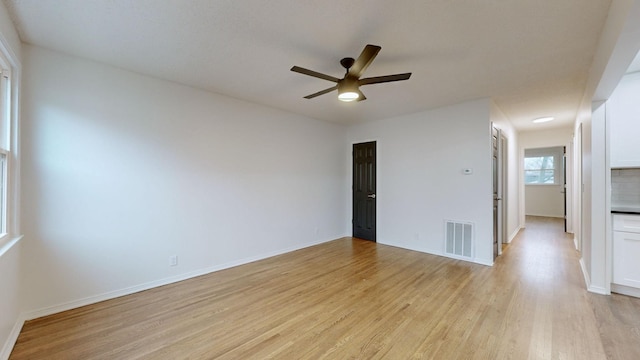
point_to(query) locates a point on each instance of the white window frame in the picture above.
(4, 200)
(9, 88)
(5, 144)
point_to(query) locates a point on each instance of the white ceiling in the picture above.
(532, 57)
(635, 65)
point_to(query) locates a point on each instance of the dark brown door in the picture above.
(364, 191)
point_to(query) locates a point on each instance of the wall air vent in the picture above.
(458, 238)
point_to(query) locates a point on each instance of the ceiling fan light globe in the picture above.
(348, 96)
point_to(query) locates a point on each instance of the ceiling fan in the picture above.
(349, 86)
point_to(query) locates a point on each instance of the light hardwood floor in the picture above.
(353, 299)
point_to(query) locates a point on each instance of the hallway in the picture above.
(544, 249)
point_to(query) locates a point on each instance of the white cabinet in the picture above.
(623, 116)
(626, 265)
(626, 251)
(626, 223)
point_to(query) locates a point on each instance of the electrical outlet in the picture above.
(173, 260)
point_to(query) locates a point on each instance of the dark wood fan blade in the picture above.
(384, 79)
(314, 74)
(321, 92)
(361, 97)
(364, 60)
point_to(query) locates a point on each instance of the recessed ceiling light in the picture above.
(543, 119)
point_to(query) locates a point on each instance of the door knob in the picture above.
(373, 196)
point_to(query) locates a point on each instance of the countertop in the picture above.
(625, 209)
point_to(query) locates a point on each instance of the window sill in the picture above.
(6, 243)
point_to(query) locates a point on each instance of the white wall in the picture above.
(545, 200)
(121, 171)
(419, 176)
(584, 119)
(10, 307)
(10, 252)
(8, 34)
(513, 168)
(619, 42)
(595, 175)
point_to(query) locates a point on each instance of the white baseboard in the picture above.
(625, 290)
(558, 216)
(598, 290)
(514, 234)
(439, 253)
(587, 280)
(34, 314)
(472, 260)
(13, 337)
(483, 262)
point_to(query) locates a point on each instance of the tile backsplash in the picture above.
(625, 186)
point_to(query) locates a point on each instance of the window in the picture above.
(5, 130)
(543, 166)
(539, 170)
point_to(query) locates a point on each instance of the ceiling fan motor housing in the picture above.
(349, 83)
(347, 63)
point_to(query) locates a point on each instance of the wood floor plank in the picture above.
(353, 299)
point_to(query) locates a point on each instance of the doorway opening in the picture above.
(545, 182)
